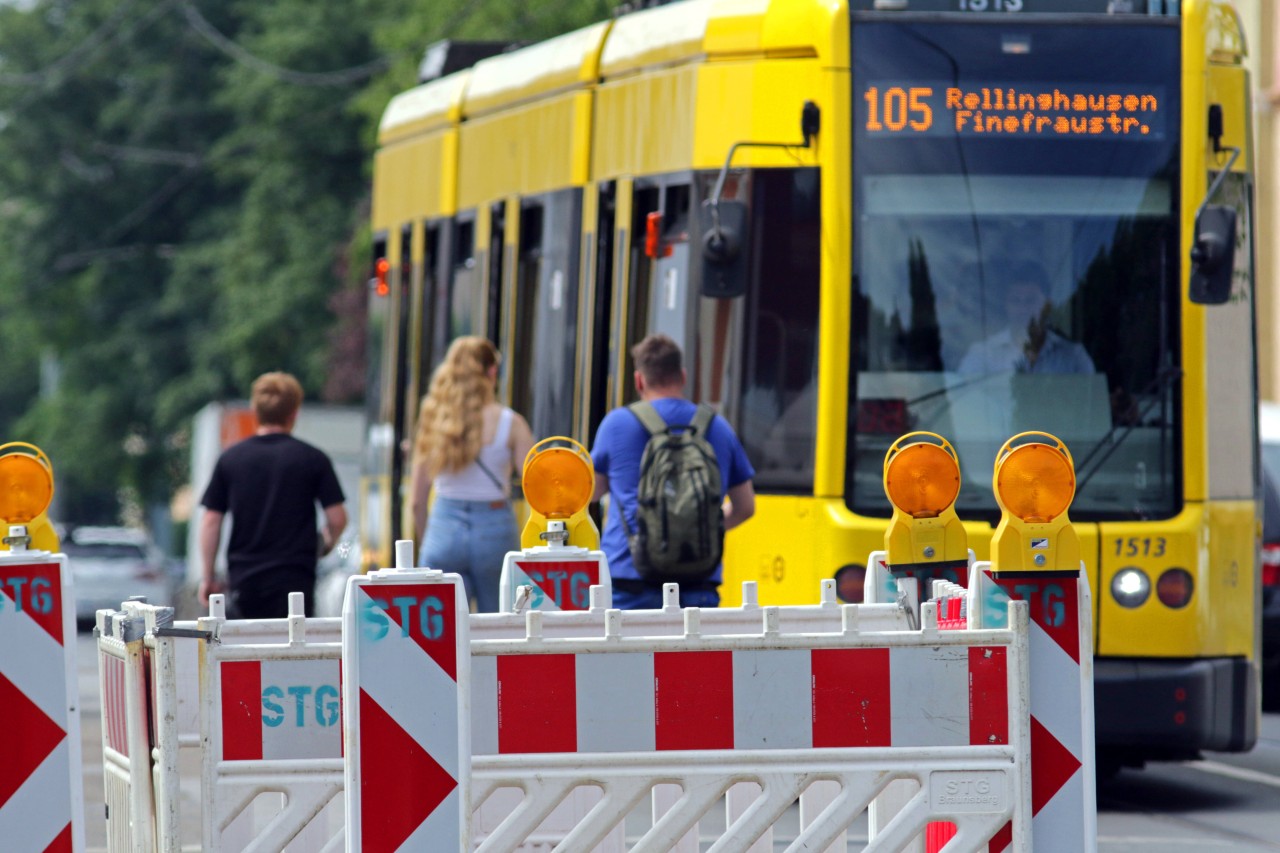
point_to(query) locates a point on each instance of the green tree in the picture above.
(184, 190)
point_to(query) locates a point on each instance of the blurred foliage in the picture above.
(184, 201)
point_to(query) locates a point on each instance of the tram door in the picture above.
(666, 245)
(598, 299)
(659, 297)
(545, 328)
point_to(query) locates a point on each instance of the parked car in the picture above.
(1269, 435)
(111, 564)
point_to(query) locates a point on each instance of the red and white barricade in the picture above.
(126, 729)
(271, 720)
(713, 721)
(260, 701)
(628, 703)
(406, 662)
(776, 709)
(41, 801)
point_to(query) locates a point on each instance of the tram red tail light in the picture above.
(1175, 587)
(851, 583)
(380, 269)
(652, 234)
(1271, 564)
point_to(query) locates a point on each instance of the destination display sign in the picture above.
(1098, 7)
(1015, 110)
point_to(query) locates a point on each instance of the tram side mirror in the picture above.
(1213, 255)
(724, 249)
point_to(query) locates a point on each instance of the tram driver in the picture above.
(1026, 342)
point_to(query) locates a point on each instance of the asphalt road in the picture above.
(1224, 803)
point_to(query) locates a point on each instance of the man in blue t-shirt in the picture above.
(660, 379)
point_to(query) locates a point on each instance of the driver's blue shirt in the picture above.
(619, 444)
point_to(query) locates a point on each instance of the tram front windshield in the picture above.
(1016, 253)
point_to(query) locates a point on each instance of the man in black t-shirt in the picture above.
(270, 483)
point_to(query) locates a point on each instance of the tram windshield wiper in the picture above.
(1154, 394)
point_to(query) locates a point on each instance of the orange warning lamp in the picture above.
(26, 489)
(558, 481)
(1034, 483)
(922, 481)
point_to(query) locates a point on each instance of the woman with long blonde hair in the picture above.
(467, 446)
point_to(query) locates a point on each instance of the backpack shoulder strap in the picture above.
(648, 417)
(702, 420)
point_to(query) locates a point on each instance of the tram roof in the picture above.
(694, 29)
(565, 62)
(427, 107)
(662, 36)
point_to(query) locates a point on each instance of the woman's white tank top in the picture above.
(472, 483)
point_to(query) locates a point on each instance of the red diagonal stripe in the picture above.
(1055, 605)
(422, 612)
(1052, 765)
(29, 737)
(566, 582)
(401, 785)
(36, 590)
(61, 844)
(1002, 840)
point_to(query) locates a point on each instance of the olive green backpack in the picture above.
(679, 535)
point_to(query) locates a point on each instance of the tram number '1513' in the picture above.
(990, 5)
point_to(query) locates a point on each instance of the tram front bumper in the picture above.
(1175, 708)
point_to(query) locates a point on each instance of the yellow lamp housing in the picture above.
(922, 481)
(558, 480)
(26, 489)
(1034, 483)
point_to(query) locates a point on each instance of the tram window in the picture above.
(403, 289)
(493, 314)
(376, 362)
(427, 319)
(645, 200)
(670, 307)
(528, 274)
(462, 283)
(598, 337)
(544, 351)
(777, 413)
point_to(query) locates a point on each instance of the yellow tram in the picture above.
(848, 213)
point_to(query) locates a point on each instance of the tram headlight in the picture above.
(1131, 587)
(1174, 588)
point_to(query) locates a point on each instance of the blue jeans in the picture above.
(471, 538)
(650, 597)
